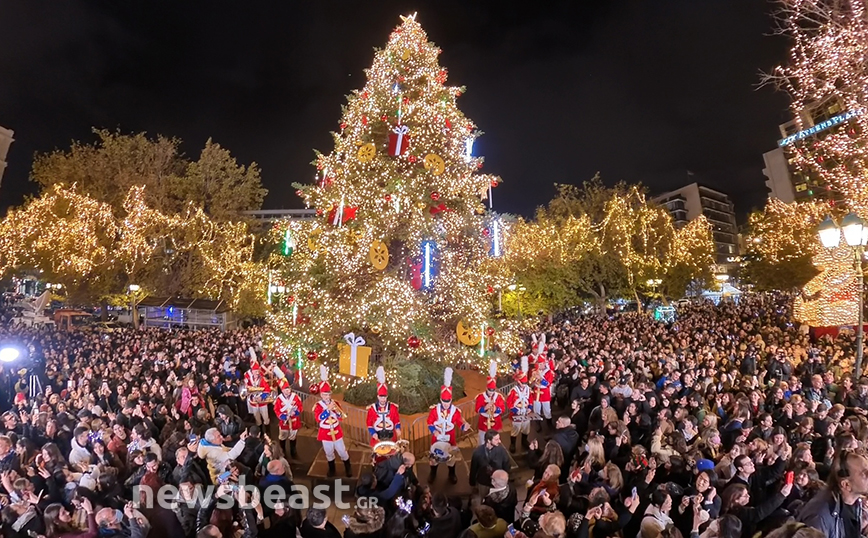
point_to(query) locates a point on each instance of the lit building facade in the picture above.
(693, 200)
(783, 179)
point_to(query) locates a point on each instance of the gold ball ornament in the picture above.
(434, 164)
(468, 336)
(376, 329)
(379, 255)
(480, 210)
(313, 241)
(405, 54)
(421, 205)
(367, 152)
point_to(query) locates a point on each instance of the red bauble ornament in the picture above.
(312, 355)
(299, 192)
(343, 125)
(364, 95)
(435, 196)
(494, 183)
(364, 120)
(411, 158)
(319, 212)
(479, 165)
(486, 232)
(489, 331)
(489, 289)
(414, 341)
(441, 76)
(406, 100)
(384, 117)
(388, 197)
(290, 299)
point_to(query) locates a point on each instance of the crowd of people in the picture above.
(730, 422)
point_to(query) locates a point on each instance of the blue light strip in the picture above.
(822, 126)
(427, 265)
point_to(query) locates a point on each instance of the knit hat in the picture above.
(704, 465)
(382, 388)
(446, 388)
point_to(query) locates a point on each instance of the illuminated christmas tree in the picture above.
(827, 80)
(403, 247)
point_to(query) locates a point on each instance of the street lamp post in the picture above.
(134, 288)
(856, 236)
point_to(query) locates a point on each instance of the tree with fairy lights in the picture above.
(401, 251)
(827, 80)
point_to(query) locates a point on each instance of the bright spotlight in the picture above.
(9, 354)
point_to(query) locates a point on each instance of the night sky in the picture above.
(642, 91)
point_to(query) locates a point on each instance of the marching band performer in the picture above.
(490, 405)
(329, 415)
(383, 420)
(258, 390)
(444, 423)
(287, 408)
(541, 395)
(518, 403)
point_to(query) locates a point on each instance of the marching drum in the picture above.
(441, 452)
(386, 449)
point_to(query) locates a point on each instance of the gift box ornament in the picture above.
(354, 356)
(399, 140)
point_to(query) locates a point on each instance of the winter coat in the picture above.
(372, 527)
(823, 512)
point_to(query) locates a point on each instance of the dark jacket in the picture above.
(568, 439)
(309, 531)
(485, 461)
(750, 516)
(230, 428)
(384, 497)
(447, 525)
(823, 512)
(503, 503)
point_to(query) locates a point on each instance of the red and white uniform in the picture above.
(444, 424)
(383, 418)
(541, 393)
(519, 405)
(255, 405)
(328, 421)
(328, 416)
(288, 412)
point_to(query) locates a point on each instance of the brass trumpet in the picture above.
(334, 407)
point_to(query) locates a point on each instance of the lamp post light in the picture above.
(856, 236)
(134, 288)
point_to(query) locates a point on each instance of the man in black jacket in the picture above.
(568, 438)
(486, 459)
(502, 498)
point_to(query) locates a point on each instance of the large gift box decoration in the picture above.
(354, 356)
(399, 140)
